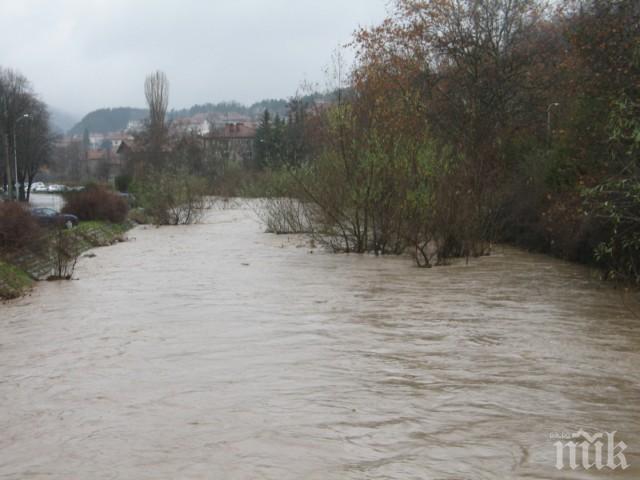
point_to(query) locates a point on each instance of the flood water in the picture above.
(216, 351)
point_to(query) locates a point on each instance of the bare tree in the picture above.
(156, 90)
(34, 145)
(15, 96)
(66, 159)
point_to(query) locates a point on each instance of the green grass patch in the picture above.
(105, 228)
(99, 225)
(98, 233)
(13, 281)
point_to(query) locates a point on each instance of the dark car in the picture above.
(49, 217)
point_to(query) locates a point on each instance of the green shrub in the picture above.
(123, 182)
(617, 202)
(172, 198)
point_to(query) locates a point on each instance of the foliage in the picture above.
(236, 182)
(122, 182)
(285, 215)
(172, 197)
(447, 139)
(18, 228)
(24, 131)
(618, 202)
(414, 153)
(64, 255)
(156, 91)
(281, 141)
(97, 203)
(462, 122)
(280, 203)
(13, 281)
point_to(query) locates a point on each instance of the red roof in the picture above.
(234, 130)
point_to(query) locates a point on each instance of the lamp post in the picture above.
(551, 105)
(6, 148)
(15, 150)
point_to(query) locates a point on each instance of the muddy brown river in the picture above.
(216, 351)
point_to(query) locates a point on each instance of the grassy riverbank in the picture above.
(14, 282)
(19, 270)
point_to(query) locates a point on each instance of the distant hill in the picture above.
(107, 120)
(275, 106)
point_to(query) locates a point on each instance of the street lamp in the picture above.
(15, 149)
(551, 105)
(6, 148)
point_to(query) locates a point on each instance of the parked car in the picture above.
(38, 187)
(49, 217)
(54, 188)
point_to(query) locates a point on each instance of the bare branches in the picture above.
(156, 91)
(24, 130)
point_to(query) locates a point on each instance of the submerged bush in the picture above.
(64, 254)
(283, 206)
(97, 203)
(172, 198)
(385, 199)
(285, 215)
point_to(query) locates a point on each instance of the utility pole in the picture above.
(6, 150)
(15, 149)
(8, 165)
(555, 104)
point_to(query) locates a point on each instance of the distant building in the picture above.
(134, 126)
(103, 164)
(116, 139)
(231, 145)
(198, 124)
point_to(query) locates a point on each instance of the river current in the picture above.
(216, 351)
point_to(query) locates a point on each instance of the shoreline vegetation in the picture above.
(22, 269)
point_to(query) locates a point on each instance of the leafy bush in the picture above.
(617, 202)
(97, 203)
(268, 183)
(233, 182)
(171, 198)
(18, 228)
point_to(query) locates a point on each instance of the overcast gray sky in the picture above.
(85, 54)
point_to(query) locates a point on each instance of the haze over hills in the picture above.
(60, 120)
